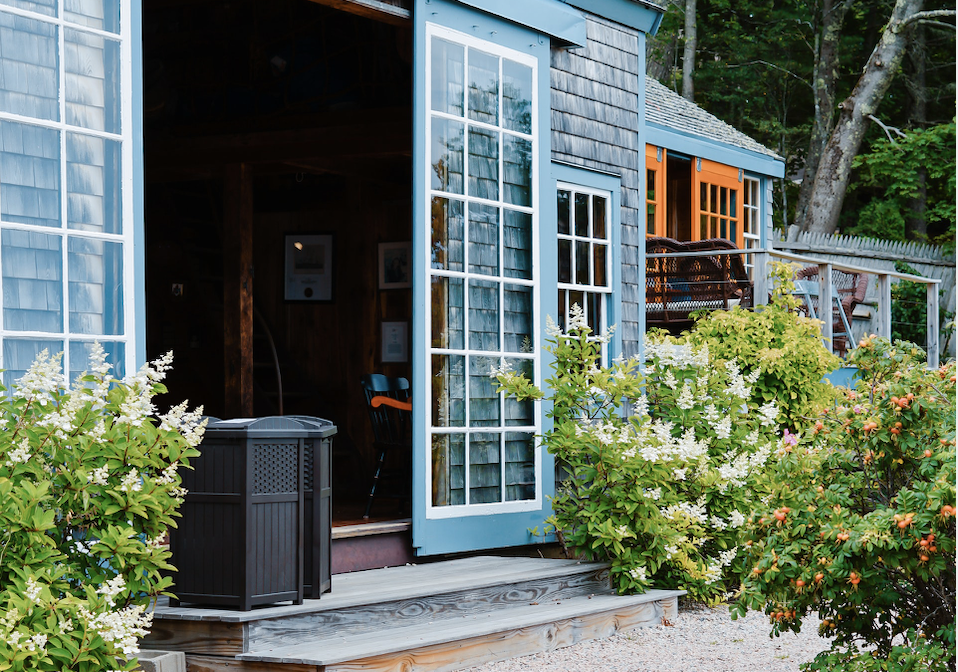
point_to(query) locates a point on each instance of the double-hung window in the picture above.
(483, 273)
(585, 245)
(751, 221)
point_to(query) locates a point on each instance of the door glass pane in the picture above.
(483, 239)
(565, 260)
(703, 197)
(32, 282)
(517, 245)
(517, 318)
(485, 474)
(582, 214)
(20, 353)
(516, 96)
(28, 63)
(733, 197)
(447, 76)
(448, 469)
(484, 315)
(447, 223)
(520, 466)
(713, 196)
(447, 148)
(599, 253)
(92, 78)
(650, 220)
(483, 87)
(598, 217)
(517, 170)
(483, 399)
(93, 184)
(483, 163)
(714, 227)
(723, 204)
(95, 275)
(520, 413)
(447, 313)
(29, 174)
(703, 227)
(448, 391)
(581, 263)
(722, 228)
(563, 211)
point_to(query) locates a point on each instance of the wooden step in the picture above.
(474, 639)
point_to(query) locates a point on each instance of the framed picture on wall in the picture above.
(395, 265)
(395, 342)
(309, 267)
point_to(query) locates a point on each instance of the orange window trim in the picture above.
(656, 203)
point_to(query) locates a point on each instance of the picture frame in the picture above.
(395, 265)
(309, 267)
(395, 342)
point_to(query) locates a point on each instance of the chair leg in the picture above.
(372, 490)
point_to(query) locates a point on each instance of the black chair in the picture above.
(390, 412)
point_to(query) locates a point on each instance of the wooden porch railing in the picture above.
(761, 282)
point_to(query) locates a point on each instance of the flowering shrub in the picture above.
(661, 494)
(860, 525)
(784, 345)
(88, 487)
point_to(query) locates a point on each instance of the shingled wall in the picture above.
(595, 122)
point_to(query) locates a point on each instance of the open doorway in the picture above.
(271, 125)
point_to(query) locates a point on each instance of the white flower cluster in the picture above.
(638, 573)
(724, 427)
(32, 591)
(131, 482)
(739, 385)
(684, 448)
(168, 475)
(686, 401)
(42, 379)
(99, 475)
(137, 405)
(641, 407)
(713, 572)
(191, 424)
(120, 628)
(112, 588)
(670, 380)
(695, 512)
(769, 413)
(622, 532)
(34, 644)
(726, 557)
(674, 354)
(679, 474)
(736, 519)
(735, 470)
(652, 493)
(19, 454)
(718, 523)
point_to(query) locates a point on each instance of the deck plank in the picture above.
(211, 637)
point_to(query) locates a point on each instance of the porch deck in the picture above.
(438, 616)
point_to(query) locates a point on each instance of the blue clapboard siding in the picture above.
(595, 120)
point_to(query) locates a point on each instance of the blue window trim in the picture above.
(496, 530)
(673, 140)
(138, 295)
(577, 175)
(551, 17)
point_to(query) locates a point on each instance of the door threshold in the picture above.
(350, 531)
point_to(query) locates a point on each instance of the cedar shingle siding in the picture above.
(595, 117)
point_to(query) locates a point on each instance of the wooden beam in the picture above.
(238, 290)
(220, 664)
(397, 14)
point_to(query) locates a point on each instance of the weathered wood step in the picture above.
(368, 601)
(456, 643)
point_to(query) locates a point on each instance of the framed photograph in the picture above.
(309, 267)
(395, 342)
(395, 265)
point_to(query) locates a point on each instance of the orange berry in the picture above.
(799, 583)
(819, 577)
(928, 453)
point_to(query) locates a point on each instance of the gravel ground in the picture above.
(701, 640)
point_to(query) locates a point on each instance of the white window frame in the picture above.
(468, 509)
(591, 288)
(751, 215)
(127, 216)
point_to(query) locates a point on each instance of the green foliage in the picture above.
(860, 525)
(891, 173)
(88, 488)
(785, 346)
(909, 308)
(661, 487)
(917, 654)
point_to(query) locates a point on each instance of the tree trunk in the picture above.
(688, 54)
(916, 224)
(824, 76)
(835, 167)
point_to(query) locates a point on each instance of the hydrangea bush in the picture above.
(88, 488)
(661, 465)
(860, 526)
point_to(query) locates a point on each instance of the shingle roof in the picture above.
(667, 108)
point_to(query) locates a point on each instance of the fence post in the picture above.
(760, 290)
(825, 304)
(884, 306)
(932, 340)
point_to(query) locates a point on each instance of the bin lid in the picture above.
(317, 428)
(261, 428)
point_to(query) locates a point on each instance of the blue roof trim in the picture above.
(551, 17)
(669, 138)
(644, 16)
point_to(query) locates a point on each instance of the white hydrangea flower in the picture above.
(641, 406)
(718, 523)
(43, 379)
(112, 588)
(652, 493)
(670, 380)
(99, 475)
(769, 413)
(638, 573)
(686, 401)
(20, 454)
(131, 482)
(736, 519)
(724, 427)
(577, 318)
(32, 591)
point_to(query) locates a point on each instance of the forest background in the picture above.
(858, 96)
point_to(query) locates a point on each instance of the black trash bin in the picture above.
(318, 513)
(240, 540)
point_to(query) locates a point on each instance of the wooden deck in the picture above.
(437, 616)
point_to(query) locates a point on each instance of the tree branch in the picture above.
(771, 65)
(925, 16)
(886, 128)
